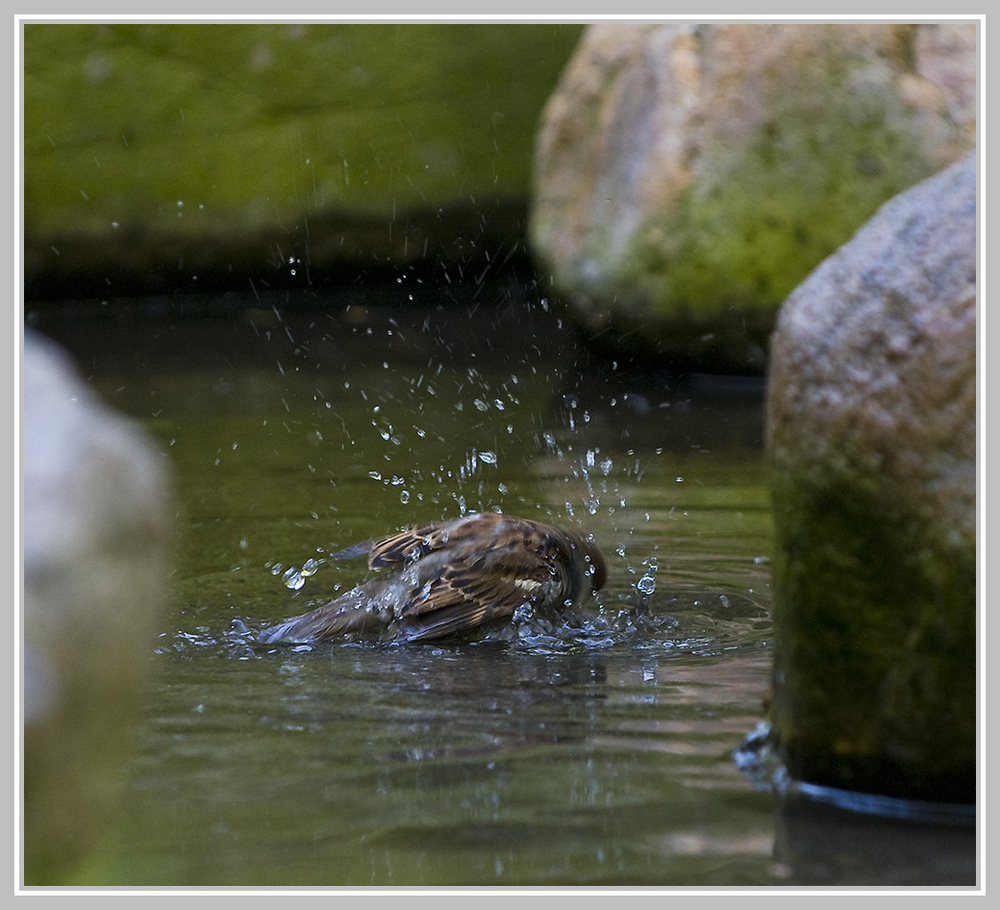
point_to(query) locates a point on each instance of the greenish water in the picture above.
(595, 751)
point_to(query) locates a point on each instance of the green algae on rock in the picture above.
(160, 155)
(871, 433)
(688, 177)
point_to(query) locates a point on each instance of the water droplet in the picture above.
(293, 578)
(404, 496)
(488, 457)
(646, 585)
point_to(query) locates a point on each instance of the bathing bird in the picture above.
(452, 577)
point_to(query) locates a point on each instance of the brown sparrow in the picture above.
(455, 576)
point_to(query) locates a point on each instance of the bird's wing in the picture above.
(469, 592)
(457, 535)
(469, 534)
(409, 544)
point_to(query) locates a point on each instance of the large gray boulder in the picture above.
(96, 535)
(688, 177)
(871, 432)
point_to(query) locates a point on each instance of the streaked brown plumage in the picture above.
(455, 576)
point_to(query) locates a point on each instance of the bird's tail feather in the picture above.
(352, 612)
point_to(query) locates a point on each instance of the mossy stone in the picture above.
(873, 686)
(871, 433)
(185, 148)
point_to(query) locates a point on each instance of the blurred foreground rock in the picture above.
(96, 553)
(688, 177)
(871, 430)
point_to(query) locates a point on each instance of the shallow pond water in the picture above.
(595, 750)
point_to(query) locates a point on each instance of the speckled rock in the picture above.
(688, 177)
(96, 550)
(871, 431)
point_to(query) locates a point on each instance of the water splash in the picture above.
(646, 585)
(310, 567)
(293, 578)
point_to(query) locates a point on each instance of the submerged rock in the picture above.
(95, 535)
(688, 177)
(871, 431)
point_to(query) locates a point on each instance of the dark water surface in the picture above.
(597, 750)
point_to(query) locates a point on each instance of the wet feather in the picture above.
(452, 577)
